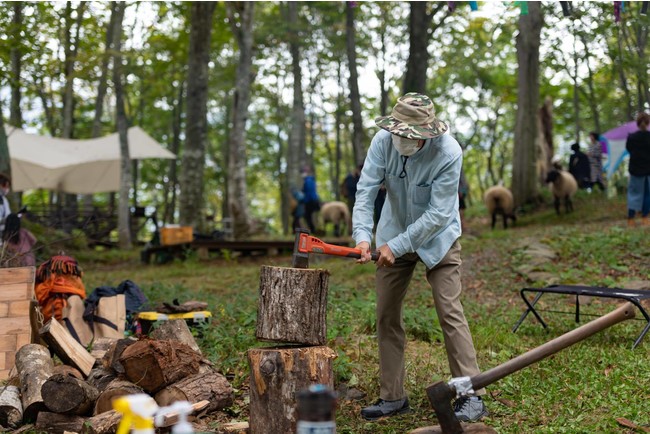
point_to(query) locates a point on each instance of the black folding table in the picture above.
(634, 296)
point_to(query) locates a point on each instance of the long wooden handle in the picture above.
(486, 378)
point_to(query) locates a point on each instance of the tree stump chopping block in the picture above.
(277, 374)
(293, 305)
(34, 366)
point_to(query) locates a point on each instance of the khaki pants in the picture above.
(392, 284)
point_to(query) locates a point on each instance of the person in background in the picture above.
(18, 244)
(579, 166)
(297, 207)
(595, 154)
(349, 189)
(311, 199)
(420, 164)
(5, 210)
(638, 192)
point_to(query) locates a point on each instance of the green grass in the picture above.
(582, 389)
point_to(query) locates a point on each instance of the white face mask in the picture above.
(406, 147)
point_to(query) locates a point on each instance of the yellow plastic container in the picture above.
(146, 319)
(170, 235)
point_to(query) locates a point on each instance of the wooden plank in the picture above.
(14, 326)
(4, 309)
(23, 339)
(4, 374)
(19, 308)
(66, 347)
(16, 291)
(8, 342)
(17, 275)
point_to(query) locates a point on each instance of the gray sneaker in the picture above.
(383, 408)
(470, 409)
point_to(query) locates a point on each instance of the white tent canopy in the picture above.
(74, 166)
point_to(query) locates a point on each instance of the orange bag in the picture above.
(57, 279)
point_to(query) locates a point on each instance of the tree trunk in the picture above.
(100, 377)
(172, 184)
(355, 98)
(524, 185)
(15, 54)
(237, 192)
(68, 395)
(196, 123)
(277, 374)
(337, 129)
(296, 146)
(621, 74)
(208, 385)
(5, 161)
(124, 216)
(293, 305)
(102, 85)
(34, 366)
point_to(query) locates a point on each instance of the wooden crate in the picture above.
(16, 290)
(170, 235)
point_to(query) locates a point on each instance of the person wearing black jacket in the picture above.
(579, 166)
(638, 192)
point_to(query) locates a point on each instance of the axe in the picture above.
(441, 394)
(306, 244)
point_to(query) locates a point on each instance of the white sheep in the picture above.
(499, 200)
(563, 186)
(337, 213)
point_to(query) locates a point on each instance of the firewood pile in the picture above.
(75, 396)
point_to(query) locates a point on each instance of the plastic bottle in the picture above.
(138, 411)
(316, 407)
(183, 409)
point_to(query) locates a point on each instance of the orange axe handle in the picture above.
(310, 244)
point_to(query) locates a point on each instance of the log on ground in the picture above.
(66, 347)
(277, 374)
(209, 385)
(293, 305)
(34, 366)
(111, 358)
(101, 377)
(155, 364)
(54, 423)
(68, 395)
(11, 409)
(175, 330)
(115, 389)
(104, 423)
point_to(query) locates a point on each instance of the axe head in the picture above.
(440, 395)
(299, 259)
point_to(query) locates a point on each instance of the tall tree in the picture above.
(524, 185)
(196, 125)
(123, 214)
(355, 98)
(5, 166)
(296, 146)
(15, 116)
(421, 28)
(241, 19)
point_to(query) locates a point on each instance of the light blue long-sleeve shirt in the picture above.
(421, 209)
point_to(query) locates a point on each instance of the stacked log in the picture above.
(68, 399)
(292, 309)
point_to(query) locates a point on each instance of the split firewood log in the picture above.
(34, 366)
(68, 395)
(67, 370)
(153, 364)
(208, 385)
(54, 423)
(101, 377)
(111, 359)
(114, 389)
(11, 409)
(175, 330)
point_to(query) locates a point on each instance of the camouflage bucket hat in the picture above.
(413, 117)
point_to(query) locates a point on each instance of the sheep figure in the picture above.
(337, 213)
(563, 186)
(499, 200)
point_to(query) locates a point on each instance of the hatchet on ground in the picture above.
(441, 394)
(306, 244)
